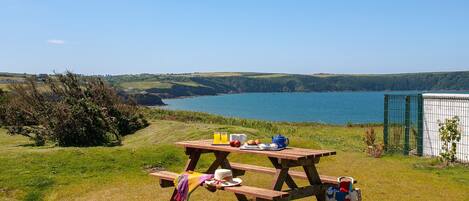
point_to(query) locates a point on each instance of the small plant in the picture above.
(397, 132)
(450, 134)
(372, 148)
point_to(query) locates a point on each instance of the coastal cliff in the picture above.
(143, 98)
(198, 84)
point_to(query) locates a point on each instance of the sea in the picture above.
(323, 107)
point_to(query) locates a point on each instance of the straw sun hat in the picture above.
(223, 178)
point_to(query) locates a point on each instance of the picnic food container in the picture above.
(280, 140)
(240, 137)
(262, 147)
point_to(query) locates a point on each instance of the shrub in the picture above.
(70, 110)
(2, 106)
(372, 149)
(450, 134)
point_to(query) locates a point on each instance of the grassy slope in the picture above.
(118, 173)
(4, 86)
(145, 85)
(142, 85)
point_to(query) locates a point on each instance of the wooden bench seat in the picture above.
(167, 178)
(258, 193)
(293, 173)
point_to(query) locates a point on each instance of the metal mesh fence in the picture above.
(403, 124)
(411, 123)
(439, 107)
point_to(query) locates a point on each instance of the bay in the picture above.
(322, 107)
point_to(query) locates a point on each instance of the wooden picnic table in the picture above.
(282, 161)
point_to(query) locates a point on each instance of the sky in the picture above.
(289, 36)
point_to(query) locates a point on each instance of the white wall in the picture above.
(437, 108)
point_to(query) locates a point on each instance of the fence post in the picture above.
(386, 121)
(420, 125)
(407, 125)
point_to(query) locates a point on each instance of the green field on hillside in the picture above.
(120, 173)
(145, 85)
(4, 86)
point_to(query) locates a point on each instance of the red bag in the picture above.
(344, 192)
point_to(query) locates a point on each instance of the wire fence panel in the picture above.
(437, 108)
(402, 124)
(411, 123)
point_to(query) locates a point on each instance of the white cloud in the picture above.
(55, 42)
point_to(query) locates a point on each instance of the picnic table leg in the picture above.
(194, 156)
(281, 176)
(241, 197)
(220, 160)
(314, 179)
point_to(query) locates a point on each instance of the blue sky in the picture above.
(293, 36)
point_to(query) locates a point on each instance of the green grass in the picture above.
(16, 78)
(142, 85)
(191, 84)
(119, 173)
(145, 85)
(217, 74)
(273, 75)
(4, 87)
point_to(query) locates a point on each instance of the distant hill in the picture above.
(195, 84)
(148, 88)
(141, 97)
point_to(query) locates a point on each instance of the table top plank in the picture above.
(290, 153)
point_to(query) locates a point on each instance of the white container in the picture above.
(240, 137)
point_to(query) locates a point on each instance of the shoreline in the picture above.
(348, 124)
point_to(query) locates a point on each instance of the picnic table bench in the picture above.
(282, 161)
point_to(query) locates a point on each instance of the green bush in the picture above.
(2, 107)
(70, 110)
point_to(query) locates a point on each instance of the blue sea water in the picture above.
(324, 107)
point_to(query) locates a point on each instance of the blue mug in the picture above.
(280, 140)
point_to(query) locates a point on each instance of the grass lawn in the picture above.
(273, 75)
(119, 173)
(4, 86)
(145, 85)
(142, 85)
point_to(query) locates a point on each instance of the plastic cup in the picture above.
(216, 138)
(224, 138)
